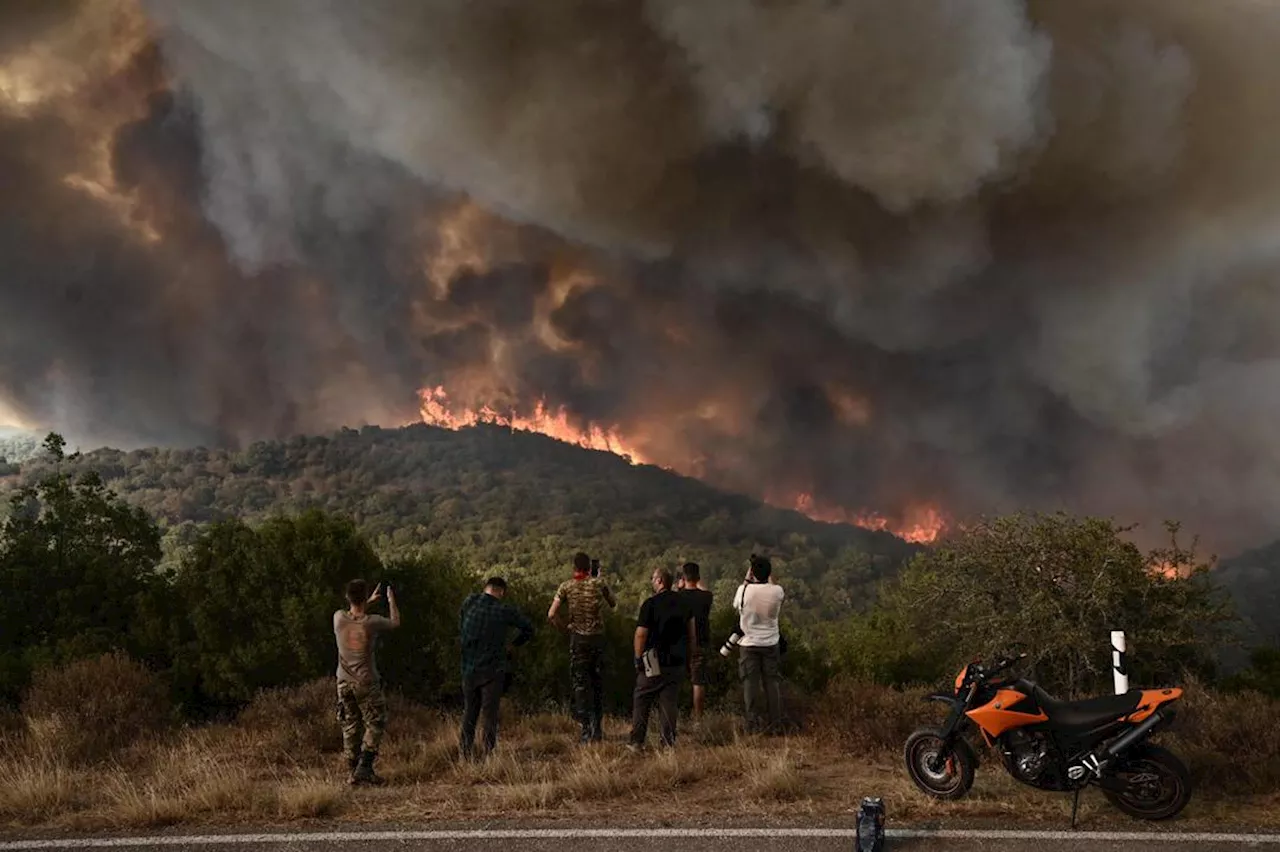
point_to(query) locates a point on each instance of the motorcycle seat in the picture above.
(1088, 713)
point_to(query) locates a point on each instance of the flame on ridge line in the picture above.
(922, 525)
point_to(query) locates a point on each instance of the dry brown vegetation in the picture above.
(62, 768)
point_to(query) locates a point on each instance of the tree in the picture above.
(1058, 585)
(76, 562)
(252, 607)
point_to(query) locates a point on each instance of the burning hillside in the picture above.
(888, 263)
(922, 524)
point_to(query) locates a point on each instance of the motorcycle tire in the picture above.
(956, 775)
(1160, 787)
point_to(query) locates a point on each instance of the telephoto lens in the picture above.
(732, 642)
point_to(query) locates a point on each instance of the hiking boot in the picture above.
(597, 729)
(364, 773)
(353, 763)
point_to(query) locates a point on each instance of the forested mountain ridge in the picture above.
(500, 500)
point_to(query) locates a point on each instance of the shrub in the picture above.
(295, 720)
(94, 707)
(1229, 741)
(865, 716)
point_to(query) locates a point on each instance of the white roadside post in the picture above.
(1119, 665)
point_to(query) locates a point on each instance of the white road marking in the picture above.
(618, 833)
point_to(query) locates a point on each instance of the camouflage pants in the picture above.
(586, 675)
(362, 712)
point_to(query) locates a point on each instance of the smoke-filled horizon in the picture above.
(982, 255)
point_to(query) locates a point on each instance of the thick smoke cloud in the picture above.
(985, 254)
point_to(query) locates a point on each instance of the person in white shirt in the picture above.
(758, 602)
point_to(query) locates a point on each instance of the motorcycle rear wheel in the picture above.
(953, 778)
(1159, 784)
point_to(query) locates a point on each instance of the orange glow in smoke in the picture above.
(79, 72)
(921, 524)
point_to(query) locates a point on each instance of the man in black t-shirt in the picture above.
(665, 638)
(698, 601)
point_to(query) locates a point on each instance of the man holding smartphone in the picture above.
(362, 707)
(583, 596)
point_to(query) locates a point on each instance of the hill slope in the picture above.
(505, 501)
(1253, 578)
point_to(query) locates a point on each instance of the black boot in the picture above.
(353, 763)
(364, 773)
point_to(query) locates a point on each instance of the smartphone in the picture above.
(595, 567)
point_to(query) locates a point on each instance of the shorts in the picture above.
(698, 669)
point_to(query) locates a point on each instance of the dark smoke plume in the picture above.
(984, 254)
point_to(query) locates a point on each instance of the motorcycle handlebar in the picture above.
(1003, 663)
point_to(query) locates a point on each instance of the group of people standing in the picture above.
(672, 638)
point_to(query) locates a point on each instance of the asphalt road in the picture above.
(657, 840)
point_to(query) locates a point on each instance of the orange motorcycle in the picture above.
(1053, 745)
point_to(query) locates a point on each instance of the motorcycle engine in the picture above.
(1028, 754)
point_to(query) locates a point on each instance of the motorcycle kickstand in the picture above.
(1075, 807)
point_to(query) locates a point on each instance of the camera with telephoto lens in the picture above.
(732, 642)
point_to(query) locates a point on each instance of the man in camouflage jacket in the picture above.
(582, 596)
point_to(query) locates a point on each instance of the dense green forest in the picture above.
(497, 500)
(502, 501)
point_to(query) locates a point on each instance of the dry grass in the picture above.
(280, 762)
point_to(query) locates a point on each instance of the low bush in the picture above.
(867, 716)
(93, 708)
(291, 720)
(1230, 741)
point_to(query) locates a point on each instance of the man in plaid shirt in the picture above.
(483, 625)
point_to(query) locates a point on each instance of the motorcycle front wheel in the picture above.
(1158, 785)
(948, 777)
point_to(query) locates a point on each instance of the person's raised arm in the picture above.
(393, 607)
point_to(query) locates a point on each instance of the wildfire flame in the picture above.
(922, 524)
(554, 423)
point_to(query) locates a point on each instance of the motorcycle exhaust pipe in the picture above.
(1130, 737)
